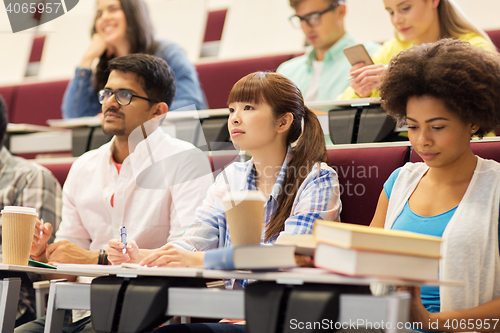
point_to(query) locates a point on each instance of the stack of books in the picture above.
(357, 250)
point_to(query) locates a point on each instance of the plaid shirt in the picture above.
(23, 183)
(318, 197)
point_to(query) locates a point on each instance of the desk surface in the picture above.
(41, 270)
(292, 276)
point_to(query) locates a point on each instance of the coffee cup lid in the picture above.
(244, 195)
(19, 210)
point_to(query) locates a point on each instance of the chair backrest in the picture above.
(37, 102)
(485, 149)
(217, 78)
(59, 170)
(215, 25)
(37, 49)
(219, 160)
(8, 93)
(362, 173)
(495, 37)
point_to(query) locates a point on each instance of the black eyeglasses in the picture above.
(122, 96)
(312, 19)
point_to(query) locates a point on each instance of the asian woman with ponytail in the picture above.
(267, 115)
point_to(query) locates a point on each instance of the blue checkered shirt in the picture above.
(318, 197)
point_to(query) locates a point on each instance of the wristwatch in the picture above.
(103, 257)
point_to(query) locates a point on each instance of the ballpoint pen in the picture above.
(123, 235)
(41, 230)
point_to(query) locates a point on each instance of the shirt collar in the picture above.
(335, 50)
(153, 138)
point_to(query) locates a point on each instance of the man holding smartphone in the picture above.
(322, 72)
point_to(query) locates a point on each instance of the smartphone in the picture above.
(357, 53)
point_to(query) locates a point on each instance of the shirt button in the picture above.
(116, 225)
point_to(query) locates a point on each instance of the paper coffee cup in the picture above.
(18, 224)
(244, 216)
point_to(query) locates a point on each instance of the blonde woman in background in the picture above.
(416, 22)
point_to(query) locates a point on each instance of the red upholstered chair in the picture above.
(8, 93)
(218, 78)
(495, 37)
(362, 173)
(37, 49)
(59, 170)
(220, 160)
(485, 149)
(37, 102)
(215, 25)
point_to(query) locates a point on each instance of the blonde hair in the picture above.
(453, 22)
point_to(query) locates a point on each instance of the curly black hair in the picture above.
(466, 78)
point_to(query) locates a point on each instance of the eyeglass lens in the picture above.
(312, 19)
(123, 97)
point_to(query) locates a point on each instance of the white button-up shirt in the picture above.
(159, 187)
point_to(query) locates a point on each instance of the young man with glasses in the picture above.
(322, 72)
(143, 179)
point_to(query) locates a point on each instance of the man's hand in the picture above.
(41, 235)
(69, 253)
(116, 256)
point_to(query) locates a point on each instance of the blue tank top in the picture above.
(428, 225)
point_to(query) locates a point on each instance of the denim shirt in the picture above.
(80, 99)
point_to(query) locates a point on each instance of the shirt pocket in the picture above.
(145, 209)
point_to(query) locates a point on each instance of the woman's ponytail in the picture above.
(310, 149)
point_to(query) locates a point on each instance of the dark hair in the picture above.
(466, 78)
(157, 78)
(284, 97)
(3, 119)
(139, 35)
(295, 3)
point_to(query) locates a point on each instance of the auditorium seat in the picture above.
(8, 92)
(362, 173)
(59, 170)
(217, 78)
(495, 37)
(37, 49)
(36, 102)
(219, 160)
(215, 25)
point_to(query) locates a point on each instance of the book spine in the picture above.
(219, 259)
